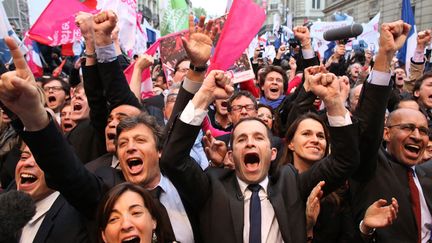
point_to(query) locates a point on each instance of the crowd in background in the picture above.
(311, 150)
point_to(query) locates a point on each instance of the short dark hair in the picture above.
(269, 132)
(144, 119)
(109, 200)
(287, 157)
(239, 94)
(180, 61)
(418, 83)
(278, 69)
(65, 85)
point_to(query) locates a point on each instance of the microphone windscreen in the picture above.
(343, 33)
(16, 209)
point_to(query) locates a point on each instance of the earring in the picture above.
(154, 237)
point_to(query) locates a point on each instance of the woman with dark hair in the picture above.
(128, 214)
(308, 142)
(307, 139)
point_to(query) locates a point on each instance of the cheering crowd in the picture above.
(312, 150)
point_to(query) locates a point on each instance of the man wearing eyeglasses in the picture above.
(56, 93)
(393, 171)
(241, 105)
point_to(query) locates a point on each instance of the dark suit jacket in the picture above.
(379, 174)
(215, 193)
(103, 161)
(156, 101)
(62, 223)
(66, 174)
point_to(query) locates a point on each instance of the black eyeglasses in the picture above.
(240, 107)
(409, 127)
(262, 115)
(53, 88)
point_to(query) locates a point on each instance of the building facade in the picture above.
(297, 12)
(364, 10)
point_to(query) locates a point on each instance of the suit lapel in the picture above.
(280, 211)
(237, 209)
(48, 222)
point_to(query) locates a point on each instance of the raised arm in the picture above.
(63, 170)
(114, 81)
(344, 158)
(93, 85)
(417, 62)
(308, 56)
(186, 175)
(143, 62)
(374, 97)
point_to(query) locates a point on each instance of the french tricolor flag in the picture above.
(33, 57)
(407, 51)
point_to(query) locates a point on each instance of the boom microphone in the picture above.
(343, 33)
(16, 209)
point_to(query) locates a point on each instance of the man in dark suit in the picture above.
(138, 159)
(386, 173)
(109, 159)
(55, 219)
(221, 197)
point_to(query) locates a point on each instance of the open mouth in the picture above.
(412, 148)
(67, 125)
(274, 90)
(77, 107)
(27, 178)
(133, 239)
(111, 136)
(251, 160)
(51, 99)
(135, 165)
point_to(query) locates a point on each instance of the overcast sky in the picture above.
(212, 7)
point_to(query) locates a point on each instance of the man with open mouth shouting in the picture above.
(248, 204)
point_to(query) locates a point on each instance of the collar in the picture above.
(243, 185)
(42, 206)
(163, 183)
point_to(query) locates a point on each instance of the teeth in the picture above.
(413, 146)
(28, 176)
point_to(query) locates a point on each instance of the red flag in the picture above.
(66, 49)
(56, 25)
(33, 57)
(146, 81)
(244, 21)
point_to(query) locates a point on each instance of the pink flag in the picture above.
(244, 21)
(56, 25)
(146, 81)
(33, 57)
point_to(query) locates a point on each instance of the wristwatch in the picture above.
(370, 232)
(198, 69)
(93, 55)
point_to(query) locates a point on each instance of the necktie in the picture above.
(415, 202)
(166, 223)
(255, 215)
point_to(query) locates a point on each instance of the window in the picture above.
(316, 4)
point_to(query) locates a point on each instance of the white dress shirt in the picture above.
(426, 219)
(176, 211)
(270, 232)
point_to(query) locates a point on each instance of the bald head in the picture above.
(407, 135)
(401, 114)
